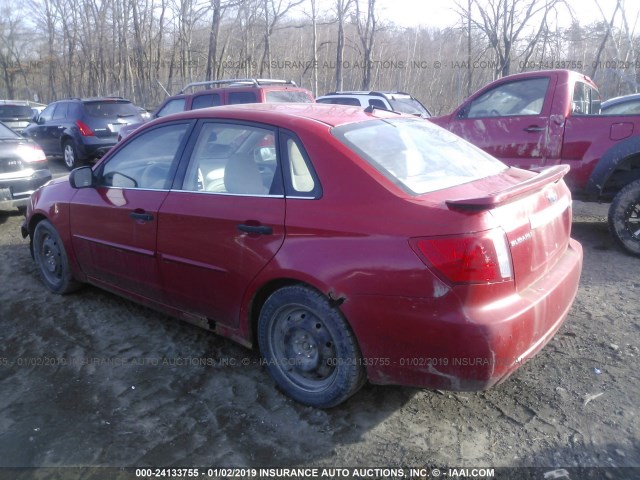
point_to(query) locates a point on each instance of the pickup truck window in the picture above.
(520, 97)
(586, 100)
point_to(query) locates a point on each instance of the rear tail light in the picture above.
(84, 129)
(31, 154)
(478, 258)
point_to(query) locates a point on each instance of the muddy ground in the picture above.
(92, 379)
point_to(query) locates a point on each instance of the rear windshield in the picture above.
(108, 109)
(417, 155)
(285, 96)
(15, 111)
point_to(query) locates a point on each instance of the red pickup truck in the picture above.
(538, 119)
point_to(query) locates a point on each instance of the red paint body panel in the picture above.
(355, 243)
(558, 135)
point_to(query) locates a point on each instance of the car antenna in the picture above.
(162, 87)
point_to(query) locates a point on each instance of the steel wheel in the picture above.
(303, 347)
(51, 259)
(309, 348)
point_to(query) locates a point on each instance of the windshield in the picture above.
(417, 155)
(287, 96)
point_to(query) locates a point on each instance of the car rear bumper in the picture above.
(95, 147)
(468, 351)
(15, 192)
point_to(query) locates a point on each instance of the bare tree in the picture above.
(503, 22)
(366, 23)
(342, 10)
(274, 12)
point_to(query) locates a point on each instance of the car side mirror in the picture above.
(81, 177)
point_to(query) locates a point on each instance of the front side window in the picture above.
(416, 155)
(146, 160)
(47, 113)
(520, 97)
(234, 159)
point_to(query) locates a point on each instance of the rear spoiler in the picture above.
(492, 200)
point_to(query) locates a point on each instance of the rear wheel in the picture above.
(70, 153)
(308, 347)
(51, 259)
(624, 218)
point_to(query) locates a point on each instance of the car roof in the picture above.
(621, 99)
(376, 93)
(289, 114)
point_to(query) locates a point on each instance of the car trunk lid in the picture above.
(534, 210)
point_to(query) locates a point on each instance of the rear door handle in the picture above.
(257, 229)
(535, 128)
(141, 216)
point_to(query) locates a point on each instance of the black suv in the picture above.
(81, 129)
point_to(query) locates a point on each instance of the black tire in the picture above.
(51, 259)
(70, 154)
(309, 348)
(624, 218)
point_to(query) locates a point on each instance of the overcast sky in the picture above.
(439, 13)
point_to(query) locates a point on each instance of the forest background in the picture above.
(144, 49)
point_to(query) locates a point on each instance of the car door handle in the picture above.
(259, 229)
(141, 216)
(535, 128)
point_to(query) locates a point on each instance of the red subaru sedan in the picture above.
(348, 244)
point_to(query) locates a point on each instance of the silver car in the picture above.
(23, 169)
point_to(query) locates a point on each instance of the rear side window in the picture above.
(110, 109)
(417, 155)
(205, 101)
(586, 100)
(242, 97)
(284, 96)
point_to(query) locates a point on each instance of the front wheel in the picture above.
(70, 153)
(309, 348)
(51, 259)
(624, 218)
